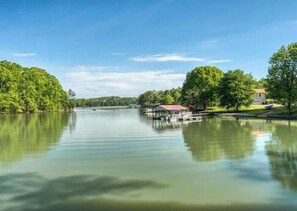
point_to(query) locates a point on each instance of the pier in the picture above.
(174, 113)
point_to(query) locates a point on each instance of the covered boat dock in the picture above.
(172, 113)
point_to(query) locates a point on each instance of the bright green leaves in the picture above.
(236, 89)
(282, 76)
(29, 89)
(201, 86)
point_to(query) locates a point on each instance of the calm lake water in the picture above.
(118, 159)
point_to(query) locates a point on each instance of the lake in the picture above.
(119, 159)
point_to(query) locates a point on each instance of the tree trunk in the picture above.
(204, 106)
(236, 108)
(289, 108)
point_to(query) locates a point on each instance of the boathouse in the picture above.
(169, 112)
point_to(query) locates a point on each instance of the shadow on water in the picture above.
(84, 192)
(28, 134)
(217, 138)
(32, 191)
(282, 154)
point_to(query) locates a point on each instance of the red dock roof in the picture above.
(170, 107)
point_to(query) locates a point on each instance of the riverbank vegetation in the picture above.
(151, 98)
(252, 109)
(27, 90)
(207, 86)
(105, 101)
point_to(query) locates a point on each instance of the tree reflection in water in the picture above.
(217, 138)
(282, 154)
(30, 133)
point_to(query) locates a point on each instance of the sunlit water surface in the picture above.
(119, 159)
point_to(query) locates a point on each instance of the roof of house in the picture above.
(260, 91)
(169, 108)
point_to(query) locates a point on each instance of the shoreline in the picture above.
(247, 115)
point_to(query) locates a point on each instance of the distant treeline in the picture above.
(106, 101)
(32, 89)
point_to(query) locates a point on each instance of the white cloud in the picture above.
(220, 61)
(118, 54)
(174, 57)
(23, 54)
(83, 68)
(94, 84)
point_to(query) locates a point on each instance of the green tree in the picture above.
(150, 98)
(282, 76)
(71, 97)
(261, 83)
(200, 86)
(236, 89)
(176, 94)
(29, 89)
(168, 99)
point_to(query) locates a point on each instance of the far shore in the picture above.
(253, 111)
(247, 115)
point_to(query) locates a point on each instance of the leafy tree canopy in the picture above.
(25, 89)
(236, 89)
(282, 75)
(200, 86)
(167, 97)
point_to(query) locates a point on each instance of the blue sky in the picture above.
(124, 47)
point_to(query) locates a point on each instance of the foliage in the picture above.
(105, 101)
(167, 97)
(236, 89)
(282, 76)
(261, 84)
(71, 97)
(29, 89)
(200, 86)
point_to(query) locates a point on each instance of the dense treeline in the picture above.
(32, 89)
(281, 80)
(151, 98)
(105, 101)
(207, 86)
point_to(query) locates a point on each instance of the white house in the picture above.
(259, 97)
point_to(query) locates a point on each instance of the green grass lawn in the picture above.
(253, 109)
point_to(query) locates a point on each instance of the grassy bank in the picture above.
(253, 110)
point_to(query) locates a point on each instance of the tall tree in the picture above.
(236, 89)
(71, 97)
(29, 89)
(261, 83)
(200, 86)
(282, 76)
